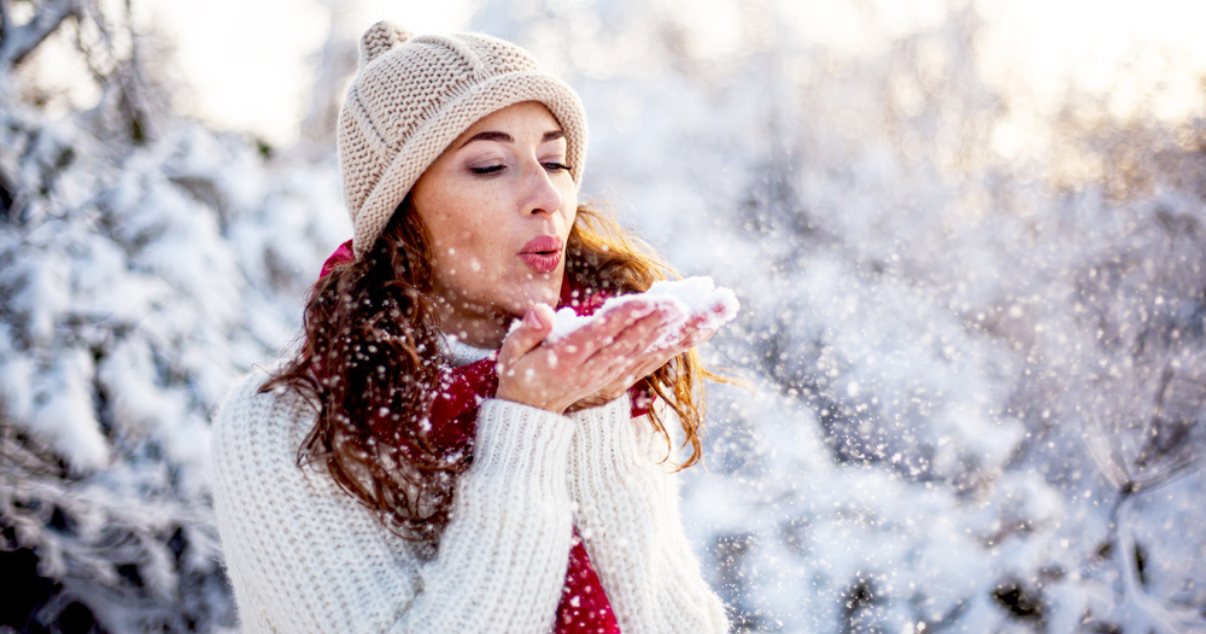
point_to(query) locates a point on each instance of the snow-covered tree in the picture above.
(146, 263)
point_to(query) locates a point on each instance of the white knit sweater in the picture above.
(305, 557)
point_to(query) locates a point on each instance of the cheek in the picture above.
(467, 249)
(569, 201)
(449, 222)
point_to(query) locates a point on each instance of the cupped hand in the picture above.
(587, 362)
(691, 333)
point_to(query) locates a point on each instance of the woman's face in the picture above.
(498, 205)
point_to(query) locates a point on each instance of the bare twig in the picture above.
(1108, 462)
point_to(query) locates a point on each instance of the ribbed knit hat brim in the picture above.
(401, 114)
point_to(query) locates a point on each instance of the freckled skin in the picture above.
(497, 187)
(481, 202)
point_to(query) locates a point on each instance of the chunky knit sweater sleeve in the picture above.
(627, 513)
(304, 556)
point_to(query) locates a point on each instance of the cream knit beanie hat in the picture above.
(413, 96)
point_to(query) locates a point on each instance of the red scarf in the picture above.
(584, 606)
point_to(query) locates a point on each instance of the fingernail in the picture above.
(531, 320)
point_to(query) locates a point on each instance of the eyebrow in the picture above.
(503, 137)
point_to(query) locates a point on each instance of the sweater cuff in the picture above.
(523, 442)
(605, 441)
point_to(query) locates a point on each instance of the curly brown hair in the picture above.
(369, 362)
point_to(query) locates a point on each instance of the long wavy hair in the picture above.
(369, 361)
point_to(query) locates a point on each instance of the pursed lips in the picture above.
(542, 254)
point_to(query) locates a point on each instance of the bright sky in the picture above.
(251, 72)
(1052, 40)
(250, 62)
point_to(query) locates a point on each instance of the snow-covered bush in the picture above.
(141, 274)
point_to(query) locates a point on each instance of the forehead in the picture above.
(524, 116)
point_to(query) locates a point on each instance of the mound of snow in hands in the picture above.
(695, 299)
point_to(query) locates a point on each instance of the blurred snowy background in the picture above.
(968, 236)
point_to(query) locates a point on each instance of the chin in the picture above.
(541, 292)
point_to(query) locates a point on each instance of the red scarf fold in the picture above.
(584, 606)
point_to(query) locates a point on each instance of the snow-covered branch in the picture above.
(17, 41)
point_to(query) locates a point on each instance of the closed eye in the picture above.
(489, 169)
(554, 166)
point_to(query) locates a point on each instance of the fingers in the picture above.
(621, 378)
(536, 325)
(629, 357)
(646, 339)
(637, 333)
(650, 358)
(521, 375)
(585, 342)
(693, 333)
(690, 334)
(602, 359)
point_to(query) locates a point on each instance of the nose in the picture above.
(541, 196)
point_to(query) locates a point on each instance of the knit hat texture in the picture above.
(413, 96)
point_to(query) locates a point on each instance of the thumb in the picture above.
(536, 325)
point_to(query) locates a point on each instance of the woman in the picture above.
(424, 465)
